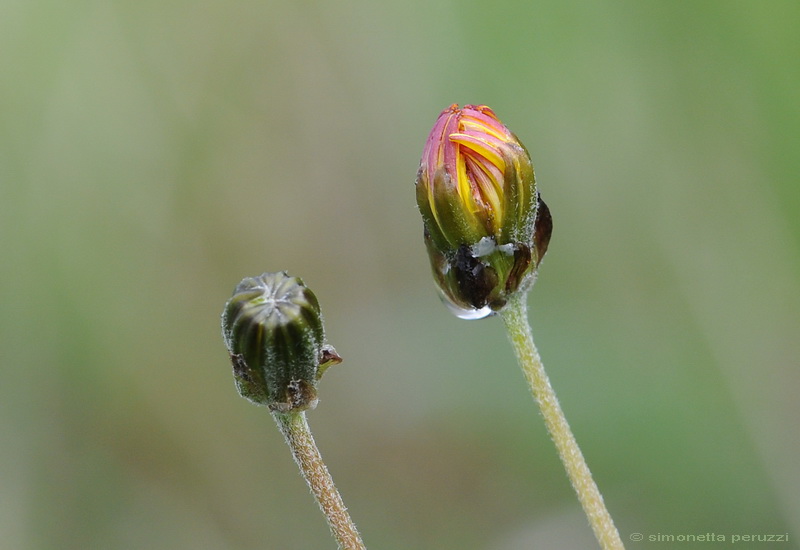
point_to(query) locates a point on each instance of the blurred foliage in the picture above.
(154, 153)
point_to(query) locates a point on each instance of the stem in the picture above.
(515, 316)
(298, 436)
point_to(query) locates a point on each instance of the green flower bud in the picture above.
(273, 331)
(486, 228)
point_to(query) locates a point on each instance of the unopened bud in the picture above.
(486, 228)
(274, 333)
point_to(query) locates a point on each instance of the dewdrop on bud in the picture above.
(486, 228)
(274, 333)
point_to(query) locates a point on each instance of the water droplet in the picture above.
(468, 313)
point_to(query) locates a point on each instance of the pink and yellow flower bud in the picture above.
(486, 229)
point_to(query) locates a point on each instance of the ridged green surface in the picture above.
(273, 330)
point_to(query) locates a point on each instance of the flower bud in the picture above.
(486, 229)
(273, 331)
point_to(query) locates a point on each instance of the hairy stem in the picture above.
(298, 436)
(515, 316)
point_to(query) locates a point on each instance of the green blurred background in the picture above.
(154, 153)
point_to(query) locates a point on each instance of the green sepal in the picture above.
(446, 215)
(520, 192)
